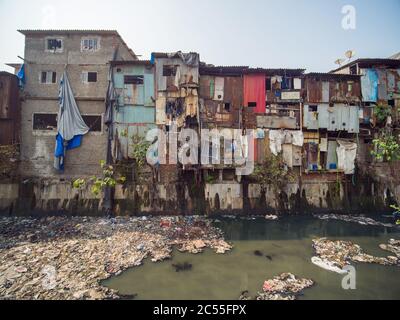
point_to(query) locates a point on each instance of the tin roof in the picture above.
(371, 62)
(333, 76)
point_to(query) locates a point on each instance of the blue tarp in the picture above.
(21, 76)
(369, 85)
(59, 152)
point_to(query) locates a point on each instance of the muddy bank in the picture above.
(66, 258)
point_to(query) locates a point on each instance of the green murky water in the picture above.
(287, 242)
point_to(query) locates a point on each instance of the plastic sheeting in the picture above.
(70, 125)
(279, 137)
(346, 153)
(369, 85)
(190, 59)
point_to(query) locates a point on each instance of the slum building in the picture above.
(279, 125)
(380, 85)
(331, 120)
(177, 103)
(221, 108)
(9, 109)
(135, 112)
(10, 129)
(379, 110)
(85, 56)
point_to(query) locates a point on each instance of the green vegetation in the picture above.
(386, 148)
(382, 112)
(139, 151)
(108, 179)
(272, 172)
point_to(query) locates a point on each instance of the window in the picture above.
(268, 84)
(48, 77)
(252, 104)
(169, 70)
(93, 122)
(312, 108)
(48, 122)
(90, 76)
(353, 69)
(45, 121)
(227, 106)
(349, 86)
(89, 44)
(54, 44)
(133, 79)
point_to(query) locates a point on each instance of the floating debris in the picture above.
(327, 265)
(366, 221)
(284, 287)
(341, 253)
(182, 266)
(67, 257)
(271, 217)
(245, 295)
(258, 253)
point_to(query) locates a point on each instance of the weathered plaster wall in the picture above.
(36, 197)
(37, 147)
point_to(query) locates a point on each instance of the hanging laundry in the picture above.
(177, 80)
(323, 146)
(191, 102)
(21, 76)
(260, 134)
(276, 139)
(298, 138)
(346, 153)
(70, 125)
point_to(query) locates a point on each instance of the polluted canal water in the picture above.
(263, 249)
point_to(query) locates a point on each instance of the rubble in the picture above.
(284, 287)
(341, 253)
(67, 257)
(360, 219)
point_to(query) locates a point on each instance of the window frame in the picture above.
(41, 132)
(86, 38)
(53, 74)
(85, 77)
(57, 50)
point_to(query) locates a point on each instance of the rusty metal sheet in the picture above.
(314, 91)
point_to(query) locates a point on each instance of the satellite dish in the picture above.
(339, 62)
(350, 54)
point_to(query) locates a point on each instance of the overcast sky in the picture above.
(263, 33)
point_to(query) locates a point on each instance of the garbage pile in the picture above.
(366, 221)
(341, 253)
(67, 257)
(284, 287)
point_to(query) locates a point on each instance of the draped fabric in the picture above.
(70, 125)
